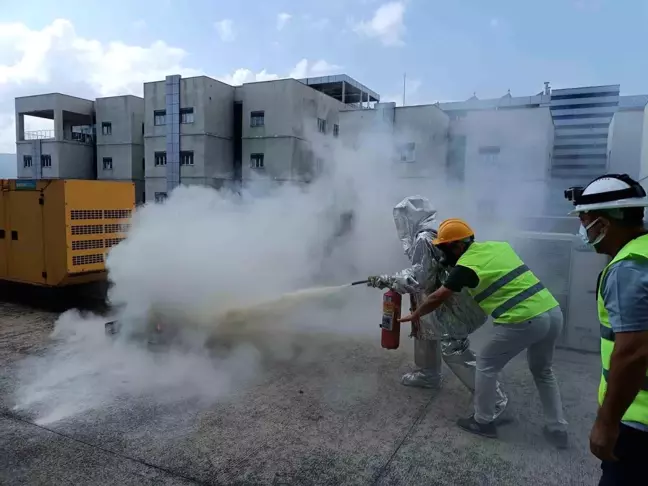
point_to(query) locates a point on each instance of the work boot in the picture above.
(421, 379)
(471, 425)
(558, 438)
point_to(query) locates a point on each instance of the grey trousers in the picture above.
(538, 336)
(458, 357)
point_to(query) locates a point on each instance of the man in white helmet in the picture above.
(442, 335)
(611, 210)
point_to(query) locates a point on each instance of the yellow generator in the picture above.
(56, 232)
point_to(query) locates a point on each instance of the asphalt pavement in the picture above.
(340, 418)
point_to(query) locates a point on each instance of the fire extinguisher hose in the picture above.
(359, 282)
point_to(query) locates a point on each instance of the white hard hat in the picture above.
(611, 191)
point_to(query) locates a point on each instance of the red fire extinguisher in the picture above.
(390, 336)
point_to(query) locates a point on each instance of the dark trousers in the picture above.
(632, 451)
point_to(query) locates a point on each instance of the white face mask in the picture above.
(582, 232)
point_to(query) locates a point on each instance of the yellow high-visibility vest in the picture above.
(638, 410)
(507, 289)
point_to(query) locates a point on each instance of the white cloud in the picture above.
(282, 20)
(306, 69)
(225, 29)
(243, 75)
(387, 24)
(55, 58)
(303, 69)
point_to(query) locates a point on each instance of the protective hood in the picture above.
(413, 215)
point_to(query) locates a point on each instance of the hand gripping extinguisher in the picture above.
(390, 335)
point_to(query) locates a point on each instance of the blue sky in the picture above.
(449, 49)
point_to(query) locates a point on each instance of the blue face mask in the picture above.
(582, 232)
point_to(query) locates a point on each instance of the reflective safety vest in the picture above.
(638, 410)
(507, 289)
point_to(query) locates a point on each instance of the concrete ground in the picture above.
(343, 420)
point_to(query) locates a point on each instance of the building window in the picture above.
(489, 154)
(106, 128)
(160, 197)
(257, 118)
(159, 117)
(336, 130)
(27, 161)
(321, 125)
(187, 158)
(107, 163)
(406, 152)
(186, 115)
(46, 161)
(256, 161)
(160, 159)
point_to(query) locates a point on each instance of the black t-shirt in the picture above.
(461, 277)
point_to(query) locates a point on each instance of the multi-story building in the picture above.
(202, 131)
(627, 140)
(67, 150)
(581, 119)
(192, 130)
(476, 153)
(188, 131)
(120, 140)
(73, 149)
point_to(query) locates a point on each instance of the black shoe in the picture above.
(557, 437)
(470, 425)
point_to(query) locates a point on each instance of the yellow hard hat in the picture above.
(453, 229)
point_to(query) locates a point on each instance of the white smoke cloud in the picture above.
(202, 262)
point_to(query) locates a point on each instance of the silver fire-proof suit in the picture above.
(443, 334)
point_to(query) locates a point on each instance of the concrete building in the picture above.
(188, 132)
(73, 149)
(503, 150)
(202, 131)
(67, 151)
(120, 140)
(626, 141)
(475, 151)
(288, 130)
(194, 130)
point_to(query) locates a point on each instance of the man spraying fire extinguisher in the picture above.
(443, 334)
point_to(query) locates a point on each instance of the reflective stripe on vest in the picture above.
(638, 409)
(507, 289)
